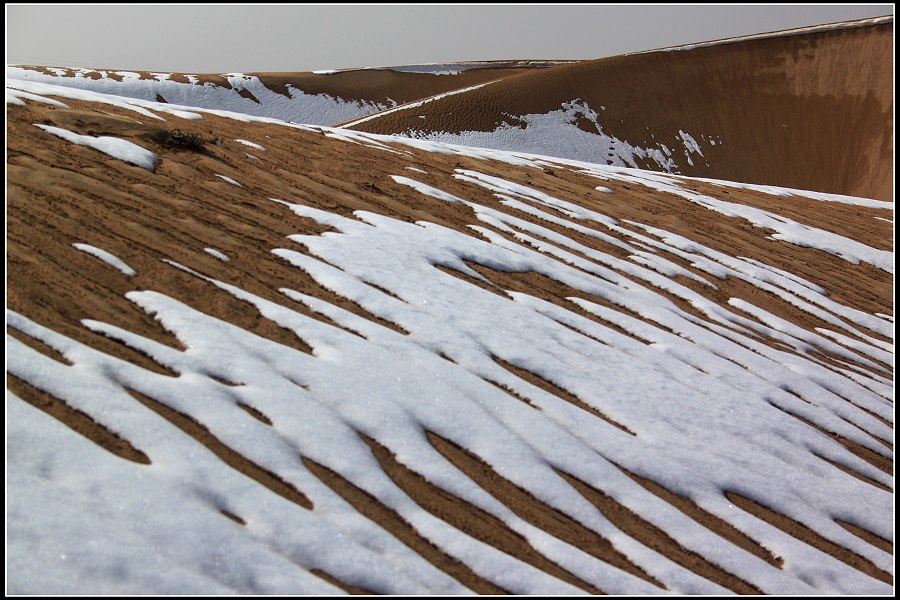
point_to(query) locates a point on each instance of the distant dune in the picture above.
(811, 109)
(319, 98)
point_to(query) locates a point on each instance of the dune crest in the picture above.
(810, 109)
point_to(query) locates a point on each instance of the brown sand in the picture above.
(809, 536)
(653, 537)
(59, 194)
(808, 111)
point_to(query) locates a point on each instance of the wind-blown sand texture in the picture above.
(810, 110)
(294, 359)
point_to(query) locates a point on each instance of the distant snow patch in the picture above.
(558, 133)
(113, 146)
(15, 97)
(417, 170)
(106, 257)
(135, 93)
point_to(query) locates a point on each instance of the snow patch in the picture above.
(218, 254)
(690, 143)
(426, 189)
(293, 105)
(786, 229)
(106, 257)
(557, 133)
(116, 147)
(16, 96)
(251, 144)
(229, 180)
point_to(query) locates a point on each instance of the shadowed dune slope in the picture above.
(250, 356)
(810, 110)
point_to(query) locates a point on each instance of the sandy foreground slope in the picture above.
(290, 359)
(810, 108)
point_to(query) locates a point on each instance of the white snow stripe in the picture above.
(116, 147)
(106, 257)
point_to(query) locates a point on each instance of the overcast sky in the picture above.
(307, 37)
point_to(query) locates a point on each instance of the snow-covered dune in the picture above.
(321, 97)
(809, 108)
(299, 359)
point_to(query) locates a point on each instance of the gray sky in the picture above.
(240, 38)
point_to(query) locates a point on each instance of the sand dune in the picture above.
(319, 98)
(809, 109)
(290, 359)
